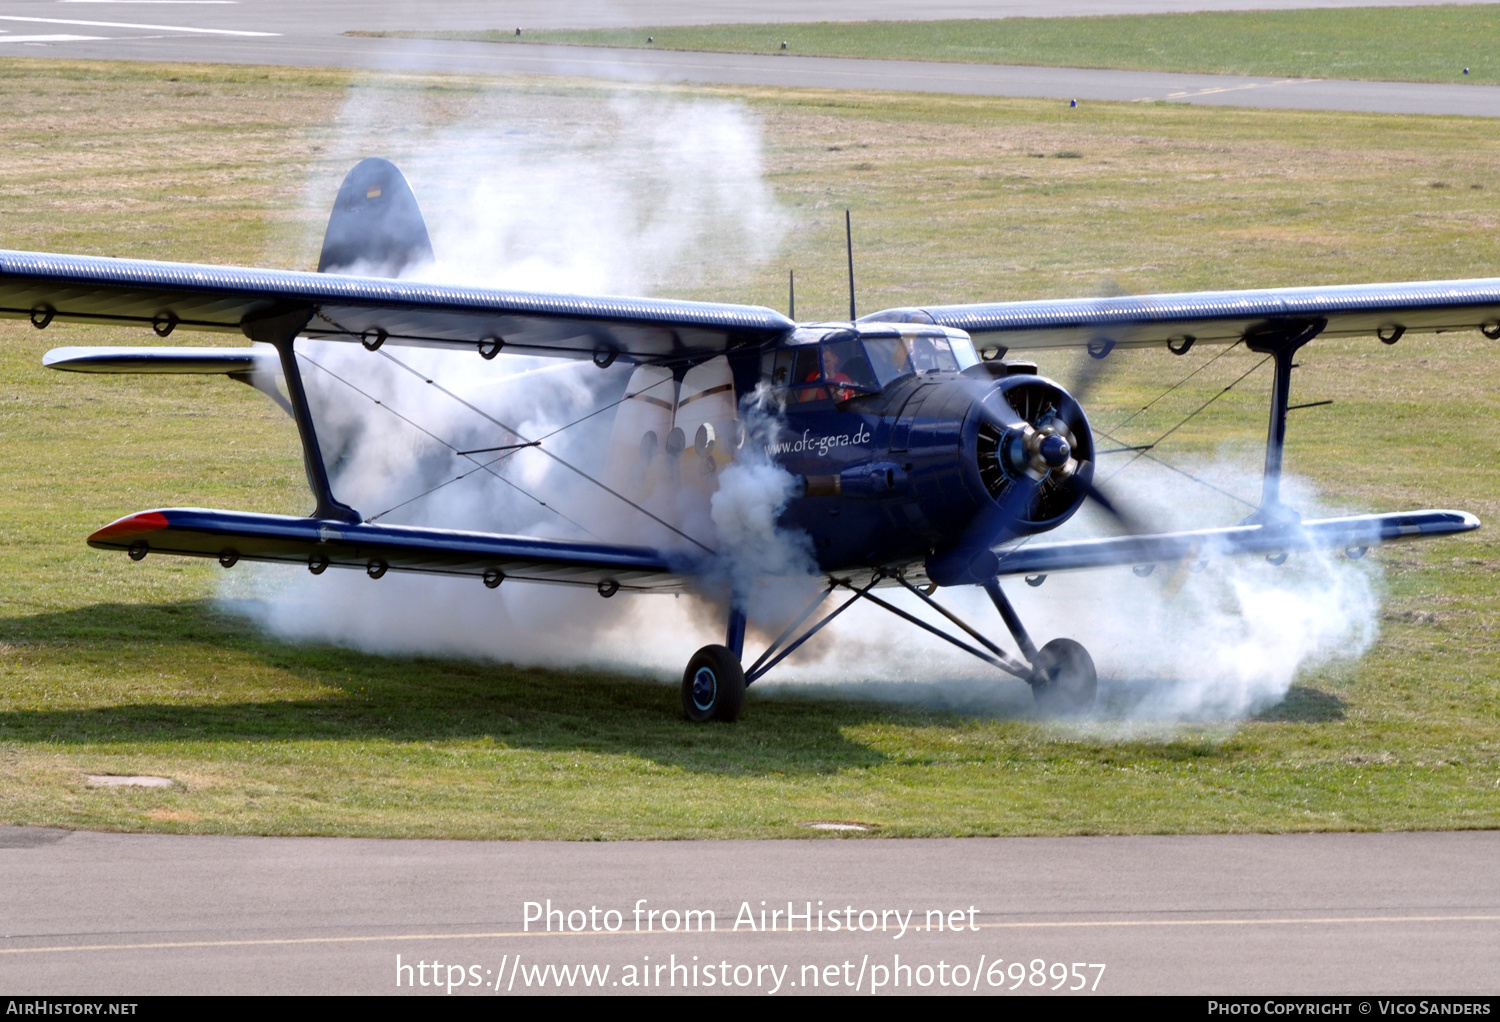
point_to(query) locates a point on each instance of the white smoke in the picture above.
(580, 191)
(589, 194)
(1218, 643)
(766, 570)
(629, 195)
(1217, 639)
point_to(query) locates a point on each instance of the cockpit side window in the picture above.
(805, 365)
(781, 374)
(930, 353)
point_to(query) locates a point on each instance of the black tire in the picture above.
(1063, 681)
(713, 686)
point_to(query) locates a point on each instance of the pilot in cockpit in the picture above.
(832, 373)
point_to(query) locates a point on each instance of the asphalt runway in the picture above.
(203, 32)
(331, 17)
(1357, 914)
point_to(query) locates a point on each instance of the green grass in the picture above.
(111, 666)
(1417, 44)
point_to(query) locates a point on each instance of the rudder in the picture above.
(376, 228)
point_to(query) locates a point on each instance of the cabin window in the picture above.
(844, 362)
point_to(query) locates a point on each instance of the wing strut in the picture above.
(281, 329)
(1281, 341)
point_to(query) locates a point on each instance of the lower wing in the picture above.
(232, 536)
(1352, 533)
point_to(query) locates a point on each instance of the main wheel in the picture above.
(1063, 679)
(713, 686)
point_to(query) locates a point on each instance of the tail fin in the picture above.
(376, 228)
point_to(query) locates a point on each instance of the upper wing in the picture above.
(170, 295)
(1221, 317)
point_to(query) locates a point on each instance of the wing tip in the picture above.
(61, 358)
(139, 524)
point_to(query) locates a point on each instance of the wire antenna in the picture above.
(791, 294)
(849, 239)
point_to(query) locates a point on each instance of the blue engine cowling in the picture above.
(939, 452)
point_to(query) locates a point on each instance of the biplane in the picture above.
(924, 446)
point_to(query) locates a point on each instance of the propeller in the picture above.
(1035, 457)
(1091, 369)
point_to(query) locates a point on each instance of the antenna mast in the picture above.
(791, 294)
(849, 238)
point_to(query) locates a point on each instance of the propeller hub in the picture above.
(1054, 450)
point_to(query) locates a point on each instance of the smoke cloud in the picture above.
(1219, 643)
(596, 194)
(631, 195)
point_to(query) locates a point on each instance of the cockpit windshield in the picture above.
(839, 368)
(833, 370)
(894, 357)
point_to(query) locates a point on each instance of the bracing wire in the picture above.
(510, 449)
(1187, 418)
(487, 467)
(1147, 406)
(1143, 450)
(1202, 482)
(447, 482)
(561, 461)
(590, 415)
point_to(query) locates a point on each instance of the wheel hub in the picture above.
(705, 688)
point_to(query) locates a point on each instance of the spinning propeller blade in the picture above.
(1037, 448)
(1129, 523)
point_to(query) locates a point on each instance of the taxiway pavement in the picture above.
(313, 18)
(1357, 914)
(281, 33)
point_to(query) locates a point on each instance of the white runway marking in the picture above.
(50, 38)
(121, 24)
(512, 934)
(1239, 88)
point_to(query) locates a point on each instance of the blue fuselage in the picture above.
(903, 441)
(887, 480)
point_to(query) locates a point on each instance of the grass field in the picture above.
(112, 667)
(1416, 44)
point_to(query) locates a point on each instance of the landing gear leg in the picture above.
(1063, 680)
(713, 686)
